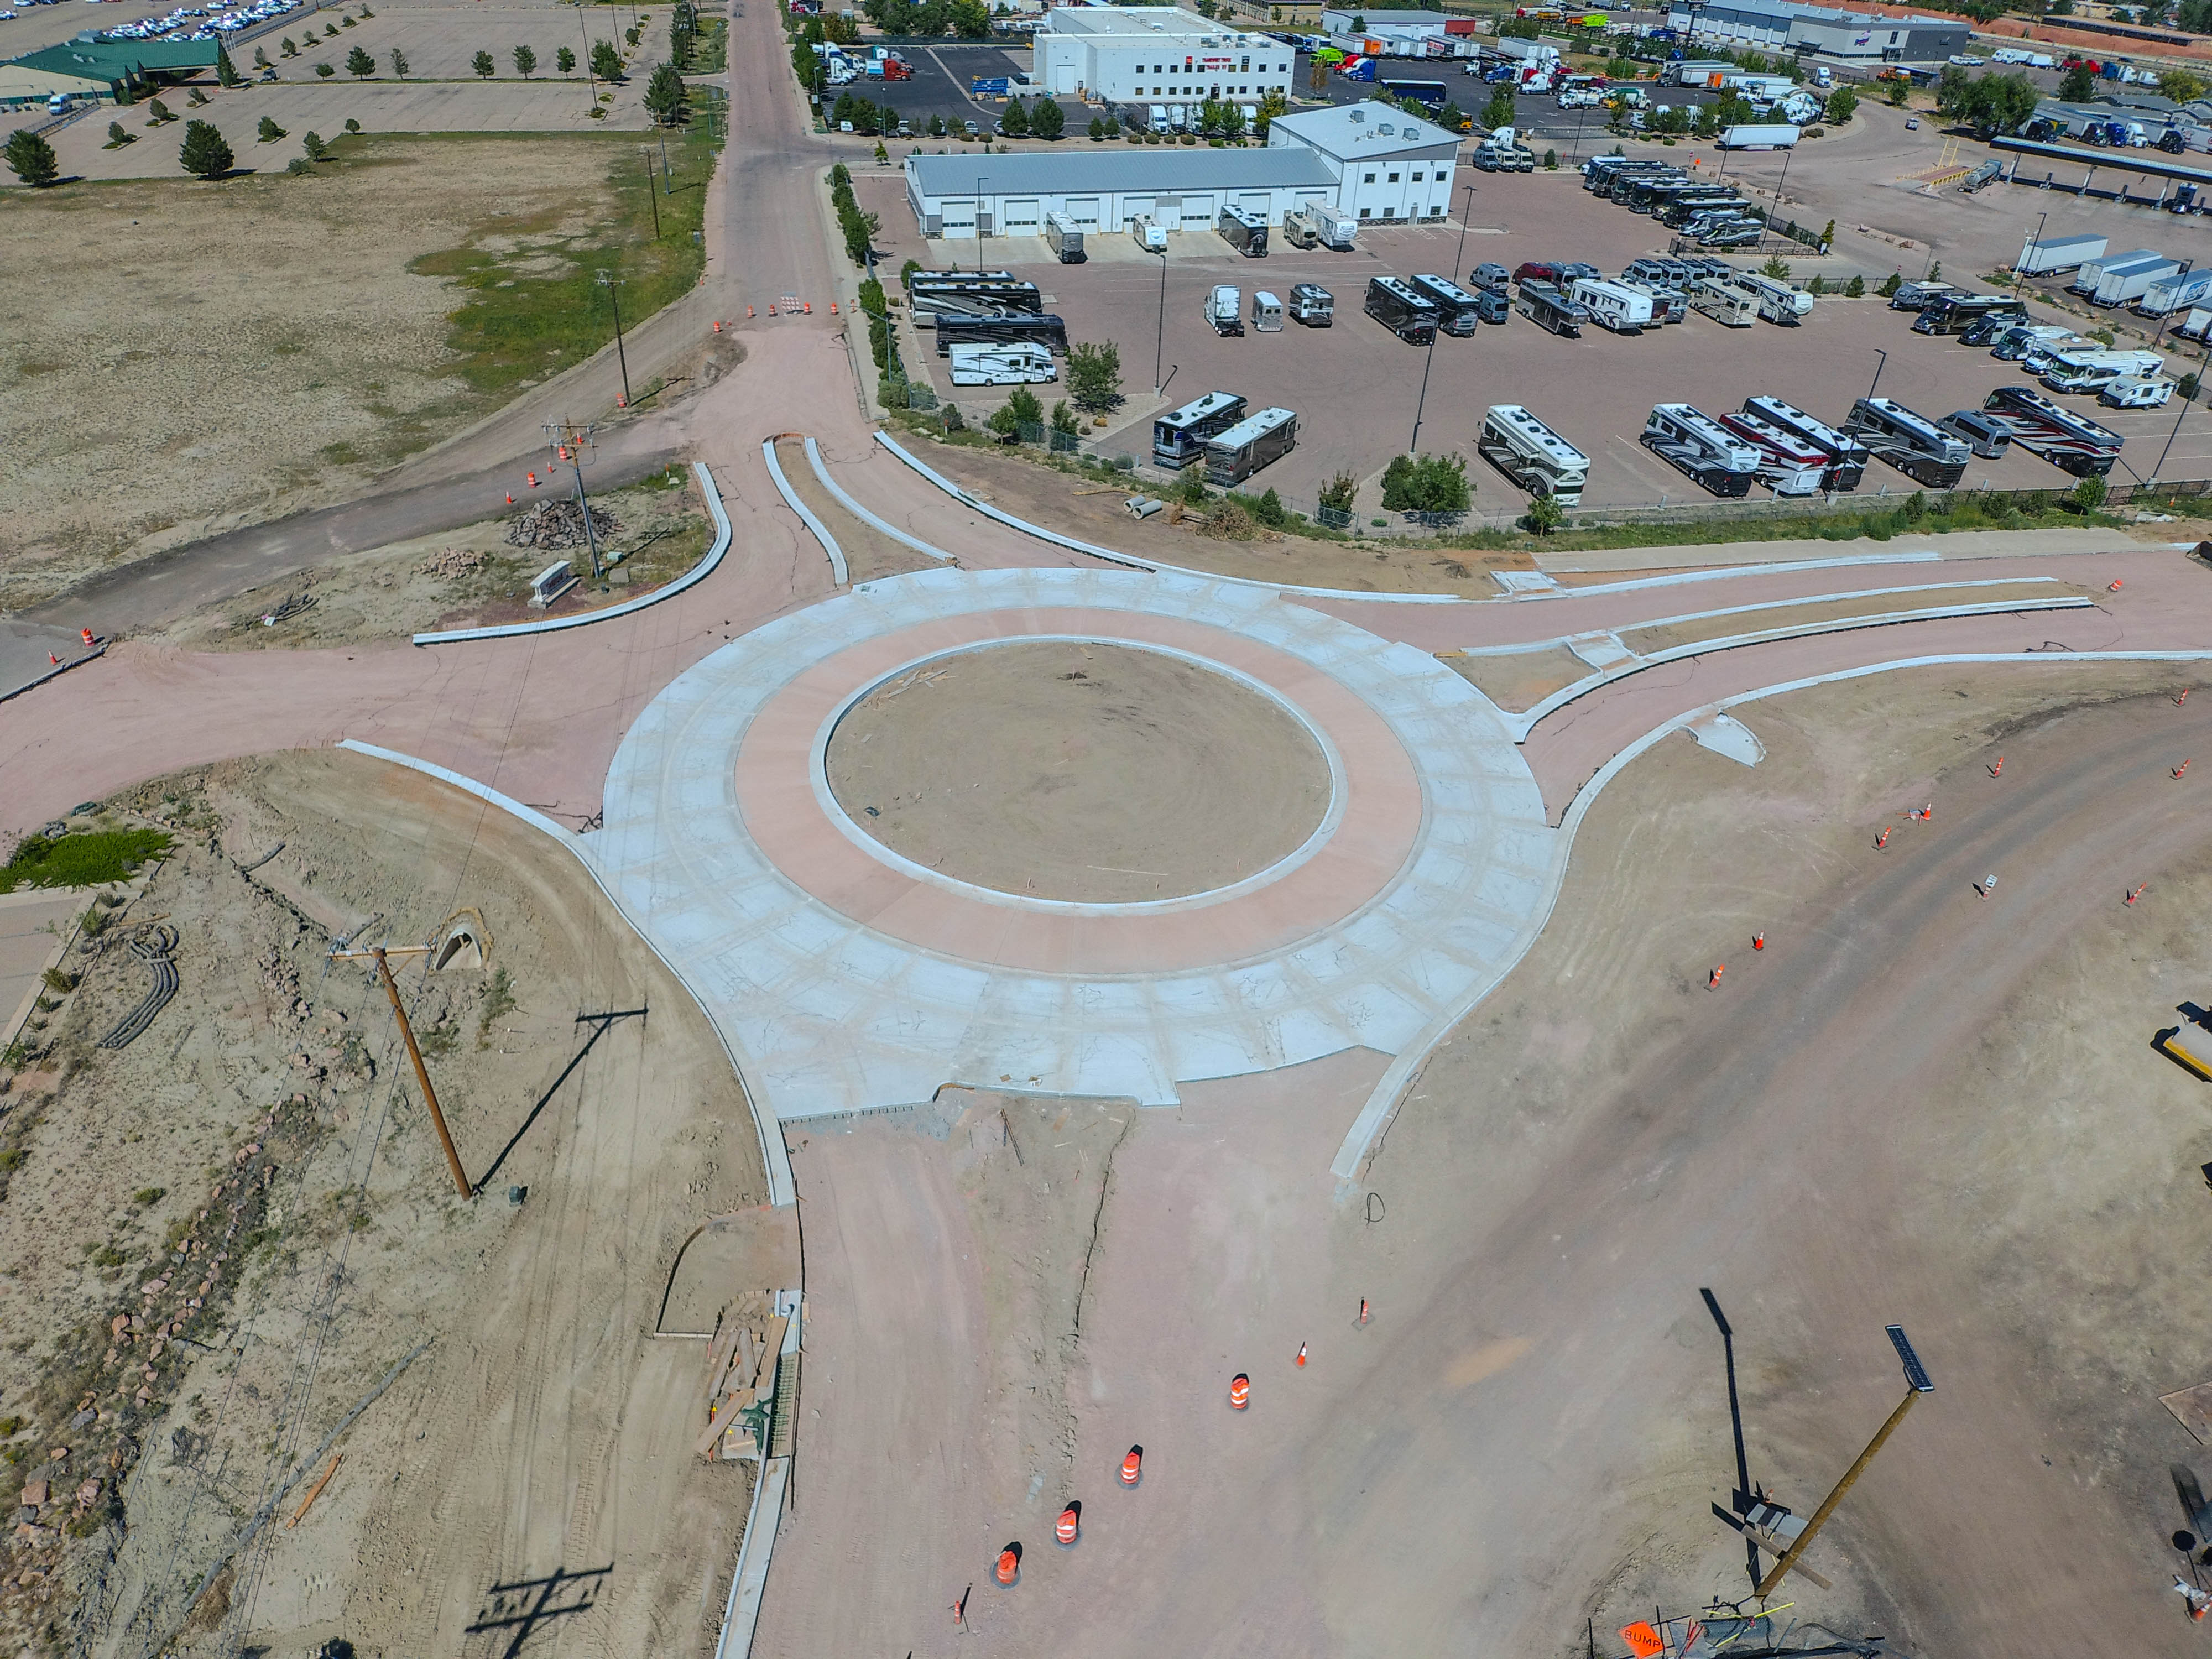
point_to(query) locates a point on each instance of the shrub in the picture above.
(565, 61)
(2087, 495)
(483, 64)
(269, 131)
(1890, 284)
(398, 64)
(1338, 492)
(606, 61)
(352, 125)
(160, 112)
(32, 159)
(286, 48)
(1776, 267)
(299, 166)
(1544, 514)
(1065, 419)
(324, 70)
(1551, 161)
(2187, 385)
(1094, 376)
(116, 138)
(79, 860)
(1426, 483)
(1817, 286)
(312, 143)
(1856, 289)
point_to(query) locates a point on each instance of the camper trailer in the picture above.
(1534, 456)
(1255, 442)
(1701, 448)
(1847, 456)
(1147, 235)
(1777, 302)
(1612, 306)
(1312, 305)
(2155, 392)
(1180, 436)
(1911, 442)
(1245, 232)
(1546, 307)
(1065, 238)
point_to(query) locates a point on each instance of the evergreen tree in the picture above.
(525, 61)
(204, 152)
(32, 159)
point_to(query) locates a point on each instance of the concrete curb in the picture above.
(698, 573)
(806, 512)
(1382, 1103)
(741, 1612)
(94, 655)
(776, 1159)
(846, 501)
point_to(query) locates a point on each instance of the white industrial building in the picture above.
(1367, 161)
(1155, 55)
(1832, 32)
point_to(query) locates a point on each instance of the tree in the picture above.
(1899, 92)
(1020, 410)
(1096, 130)
(664, 94)
(270, 132)
(226, 72)
(606, 61)
(1856, 289)
(565, 61)
(1048, 119)
(1337, 493)
(1094, 377)
(398, 64)
(1890, 284)
(1271, 104)
(1015, 123)
(32, 160)
(360, 64)
(2087, 495)
(261, 59)
(969, 19)
(1777, 268)
(525, 61)
(2078, 85)
(352, 125)
(1065, 420)
(286, 48)
(937, 126)
(1426, 483)
(1935, 272)
(1546, 514)
(313, 146)
(204, 152)
(159, 113)
(117, 137)
(325, 72)
(2181, 85)
(1844, 102)
(1499, 112)
(1817, 286)
(483, 64)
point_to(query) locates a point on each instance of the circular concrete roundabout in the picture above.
(1130, 830)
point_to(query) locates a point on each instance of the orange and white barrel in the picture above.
(1240, 1391)
(1065, 1528)
(1132, 1465)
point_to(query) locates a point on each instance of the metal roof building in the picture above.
(1156, 54)
(92, 67)
(1834, 31)
(970, 196)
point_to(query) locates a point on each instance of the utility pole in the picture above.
(611, 283)
(1735, 1419)
(415, 1054)
(1160, 338)
(590, 79)
(1429, 362)
(1916, 1383)
(569, 442)
(654, 196)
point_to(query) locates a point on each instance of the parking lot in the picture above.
(1356, 385)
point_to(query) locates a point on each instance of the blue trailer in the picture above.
(1431, 93)
(992, 86)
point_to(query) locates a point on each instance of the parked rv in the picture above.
(1267, 313)
(1180, 436)
(1393, 303)
(1065, 238)
(1911, 442)
(1047, 331)
(1778, 302)
(1245, 232)
(1700, 447)
(1549, 309)
(2073, 443)
(1847, 455)
(1017, 364)
(1458, 312)
(2154, 391)
(1147, 235)
(2092, 371)
(1534, 456)
(1788, 465)
(1224, 308)
(1613, 306)
(1312, 305)
(2018, 341)
(1911, 296)
(1255, 442)
(1720, 299)
(1958, 313)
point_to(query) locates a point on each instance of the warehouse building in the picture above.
(1396, 33)
(1366, 161)
(1832, 32)
(1155, 55)
(92, 70)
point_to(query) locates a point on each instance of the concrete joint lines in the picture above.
(698, 573)
(806, 512)
(845, 977)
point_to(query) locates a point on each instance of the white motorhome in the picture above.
(1534, 456)
(1721, 300)
(1612, 306)
(1778, 302)
(2137, 393)
(1017, 363)
(2093, 371)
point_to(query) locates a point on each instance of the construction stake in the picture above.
(421, 1071)
(315, 1492)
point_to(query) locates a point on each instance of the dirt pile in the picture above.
(452, 562)
(557, 526)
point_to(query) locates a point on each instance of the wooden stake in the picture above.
(314, 1491)
(422, 1076)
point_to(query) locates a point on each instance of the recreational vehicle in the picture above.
(1546, 307)
(1847, 456)
(1254, 442)
(1065, 238)
(2073, 443)
(1047, 331)
(1534, 456)
(1245, 232)
(1023, 364)
(1458, 312)
(1312, 305)
(1267, 313)
(1394, 304)
(1788, 465)
(1911, 443)
(1612, 306)
(1180, 436)
(1702, 448)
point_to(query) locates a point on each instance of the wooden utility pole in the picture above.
(1916, 1383)
(421, 1071)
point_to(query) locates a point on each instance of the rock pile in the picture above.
(557, 526)
(453, 562)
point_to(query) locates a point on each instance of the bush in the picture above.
(1890, 284)
(1776, 267)
(1843, 103)
(299, 166)
(269, 132)
(1426, 483)
(1094, 377)
(2087, 495)
(483, 64)
(1817, 286)
(360, 64)
(1856, 289)
(203, 153)
(2187, 386)
(325, 72)
(565, 61)
(352, 125)
(1337, 493)
(79, 860)
(1551, 161)
(398, 64)
(32, 159)
(606, 61)
(1064, 419)
(1545, 515)
(312, 143)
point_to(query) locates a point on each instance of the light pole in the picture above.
(1160, 340)
(1429, 361)
(611, 283)
(1916, 1385)
(2170, 310)
(2037, 239)
(982, 234)
(1877, 368)
(2170, 437)
(651, 194)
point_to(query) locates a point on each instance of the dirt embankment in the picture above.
(222, 1236)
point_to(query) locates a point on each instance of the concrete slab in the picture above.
(33, 931)
(847, 978)
(28, 651)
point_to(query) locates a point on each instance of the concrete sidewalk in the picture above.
(1960, 545)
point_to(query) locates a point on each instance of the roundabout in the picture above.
(1340, 844)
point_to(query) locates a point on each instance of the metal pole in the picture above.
(584, 504)
(2170, 437)
(2170, 310)
(1421, 402)
(1159, 340)
(1877, 368)
(422, 1076)
(2040, 220)
(1828, 1506)
(590, 80)
(667, 186)
(651, 196)
(611, 283)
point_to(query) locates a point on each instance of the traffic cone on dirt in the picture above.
(1759, 941)
(809, 307)
(1713, 978)
(1069, 1524)
(1997, 771)
(2136, 894)
(2183, 698)
(1302, 1356)
(1132, 1465)
(1240, 1392)
(1363, 1310)
(718, 322)
(2116, 587)
(1882, 840)
(833, 308)
(533, 481)
(52, 658)
(510, 498)
(1009, 1567)
(2183, 767)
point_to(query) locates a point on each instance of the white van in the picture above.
(2137, 393)
(1267, 313)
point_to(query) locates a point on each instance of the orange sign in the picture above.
(1643, 1640)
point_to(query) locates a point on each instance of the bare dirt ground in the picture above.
(1094, 772)
(1877, 604)
(540, 1427)
(1913, 1105)
(473, 577)
(162, 400)
(869, 553)
(1516, 680)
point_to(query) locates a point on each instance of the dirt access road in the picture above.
(1914, 1105)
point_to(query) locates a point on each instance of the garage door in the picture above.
(1022, 215)
(1136, 207)
(1084, 209)
(1197, 210)
(1255, 201)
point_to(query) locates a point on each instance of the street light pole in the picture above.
(1877, 368)
(611, 283)
(651, 194)
(1160, 340)
(2170, 437)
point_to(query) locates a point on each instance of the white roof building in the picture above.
(1156, 55)
(1388, 165)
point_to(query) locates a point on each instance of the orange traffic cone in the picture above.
(1010, 1566)
(1363, 1310)
(2183, 698)
(1759, 941)
(2137, 894)
(1713, 981)
(771, 309)
(1070, 1522)
(2183, 767)
(809, 307)
(833, 308)
(621, 401)
(1132, 1465)
(533, 481)
(1882, 840)
(1240, 1392)
(2116, 587)
(52, 658)
(510, 498)
(718, 321)
(1302, 1356)
(1997, 771)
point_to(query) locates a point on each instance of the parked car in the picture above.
(1536, 270)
